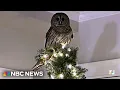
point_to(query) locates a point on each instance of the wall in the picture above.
(99, 39)
(21, 35)
(101, 69)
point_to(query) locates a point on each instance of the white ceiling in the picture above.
(88, 15)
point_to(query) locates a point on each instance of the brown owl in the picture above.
(60, 31)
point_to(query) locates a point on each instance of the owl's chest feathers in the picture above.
(62, 30)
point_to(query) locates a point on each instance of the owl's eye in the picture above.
(62, 19)
(57, 19)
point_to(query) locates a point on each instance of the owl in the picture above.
(60, 31)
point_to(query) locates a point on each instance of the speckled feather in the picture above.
(53, 36)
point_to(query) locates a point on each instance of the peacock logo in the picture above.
(7, 73)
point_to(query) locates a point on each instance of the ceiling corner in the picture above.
(89, 15)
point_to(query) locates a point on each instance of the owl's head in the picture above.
(60, 19)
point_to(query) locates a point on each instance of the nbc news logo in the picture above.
(22, 73)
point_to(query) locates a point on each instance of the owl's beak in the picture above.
(60, 23)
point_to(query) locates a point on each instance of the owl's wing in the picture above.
(49, 37)
(71, 31)
(66, 37)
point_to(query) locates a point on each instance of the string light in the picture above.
(51, 58)
(61, 76)
(45, 56)
(74, 73)
(69, 49)
(69, 66)
(60, 54)
(67, 55)
(63, 45)
(55, 54)
(52, 76)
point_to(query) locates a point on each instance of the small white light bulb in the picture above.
(63, 45)
(69, 49)
(55, 54)
(60, 54)
(67, 55)
(74, 73)
(52, 76)
(61, 76)
(69, 66)
(45, 56)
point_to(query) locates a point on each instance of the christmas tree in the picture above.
(60, 62)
